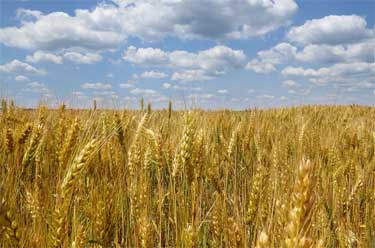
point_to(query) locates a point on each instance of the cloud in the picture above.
(200, 66)
(82, 58)
(107, 25)
(27, 15)
(106, 93)
(260, 66)
(265, 96)
(16, 66)
(222, 91)
(285, 53)
(166, 85)
(144, 92)
(267, 59)
(21, 78)
(332, 30)
(290, 83)
(180, 87)
(40, 56)
(126, 86)
(191, 75)
(300, 92)
(201, 96)
(352, 77)
(153, 74)
(357, 52)
(58, 30)
(145, 56)
(348, 69)
(38, 88)
(96, 86)
(189, 19)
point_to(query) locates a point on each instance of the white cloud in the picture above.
(106, 93)
(285, 53)
(265, 96)
(82, 58)
(191, 75)
(21, 78)
(260, 66)
(200, 66)
(223, 91)
(281, 53)
(333, 71)
(150, 19)
(145, 56)
(180, 87)
(40, 56)
(290, 83)
(58, 30)
(153, 74)
(27, 15)
(166, 85)
(357, 52)
(38, 88)
(126, 86)
(352, 77)
(96, 86)
(267, 59)
(16, 66)
(144, 92)
(251, 91)
(200, 96)
(78, 93)
(331, 29)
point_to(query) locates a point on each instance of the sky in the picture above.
(211, 54)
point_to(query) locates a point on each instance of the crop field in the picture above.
(287, 177)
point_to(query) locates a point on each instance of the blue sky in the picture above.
(208, 53)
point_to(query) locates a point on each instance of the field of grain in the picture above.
(293, 177)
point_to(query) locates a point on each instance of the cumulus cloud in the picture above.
(290, 83)
(205, 96)
(285, 53)
(145, 56)
(153, 74)
(180, 87)
(348, 69)
(21, 78)
(200, 66)
(331, 29)
(189, 19)
(223, 91)
(259, 66)
(58, 30)
(143, 92)
(357, 52)
(16, 66)
(108, 25)
(38, 88)
(166, 85)
(266, 96)
(96, 86)
(267, 59)
(126, 86)
(40, 56)
(351, 77)
(83, 58)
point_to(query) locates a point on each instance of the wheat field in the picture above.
(288, 177)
